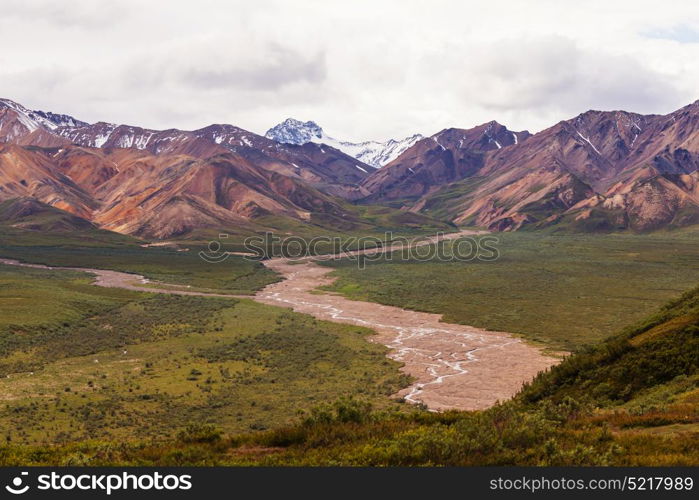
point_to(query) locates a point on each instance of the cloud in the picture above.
(554, 73)
(278, 68)
(210, 65)
(373, 71)
(63, 15)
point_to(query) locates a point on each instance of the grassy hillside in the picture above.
(633, 400)
(80, 362)
(235, 275)
(633, 366)
(34, 232)
(26, 221)
(563, 290)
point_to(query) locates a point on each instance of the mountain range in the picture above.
(174, 183)
(599, 171)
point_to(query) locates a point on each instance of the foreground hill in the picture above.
(597, 171)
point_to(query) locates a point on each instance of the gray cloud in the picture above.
(64, 14)
(375, 70)
(555, 73)
(276, 68)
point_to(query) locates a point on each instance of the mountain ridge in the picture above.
(169, 183)
(597, 171)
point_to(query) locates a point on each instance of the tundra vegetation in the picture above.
(630, 400)
(99, 376)
(560, 289)
(81, 362)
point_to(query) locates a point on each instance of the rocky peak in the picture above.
(292, 131)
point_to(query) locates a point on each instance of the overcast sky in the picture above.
(361, 69)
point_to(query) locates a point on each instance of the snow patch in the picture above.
(590, 143)
(360, 168)
(100, 140)
(434, 138)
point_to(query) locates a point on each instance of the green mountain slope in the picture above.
(30, 221)
(638, 360)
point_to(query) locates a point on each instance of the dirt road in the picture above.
(455, 366)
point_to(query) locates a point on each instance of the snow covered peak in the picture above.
(377, 154)
(33, 120)
(60, 120)
(374, 153)
(296, 132)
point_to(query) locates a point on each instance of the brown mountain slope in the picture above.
(25, 173)
(597, 171)
(186, 193)
(432, 162)
(136, 192)
(323, 167)
(133, 191)
(172, 182)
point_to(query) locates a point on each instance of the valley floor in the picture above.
(177, 378)
(452, 366)
(81, 362)
(564, 291)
